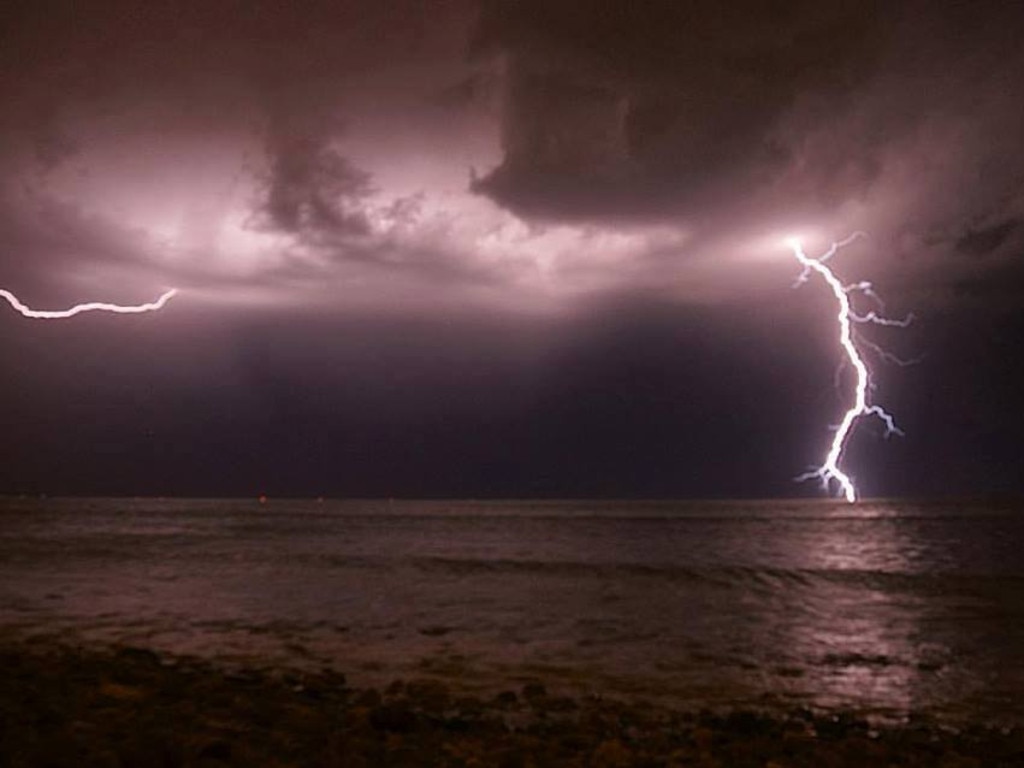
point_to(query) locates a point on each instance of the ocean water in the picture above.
(886, 607)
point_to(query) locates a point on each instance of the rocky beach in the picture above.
(70, 704)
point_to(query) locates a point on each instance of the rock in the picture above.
(532, 691)
(121, 692)
(436, 630)
(838, 726)
(561, 704)
(703, 738)
(369, 698)
(333, 679)
(506, 700)
(611, 753)
(743, 724)
(455, 724)
(512, 758)
(469, 706)
(138, 655)
(429, 695)
(958, 761)
(147, 750)
(395, 717)
(217, 749)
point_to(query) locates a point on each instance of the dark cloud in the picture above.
(983, 241)
(724, 117)
(656, 106)
(311, 191)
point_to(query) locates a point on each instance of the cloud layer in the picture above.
(547, 149)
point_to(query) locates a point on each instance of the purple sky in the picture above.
(505, 248)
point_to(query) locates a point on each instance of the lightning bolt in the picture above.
(91, 306)
(829, 470)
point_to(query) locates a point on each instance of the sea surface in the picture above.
(885, 607)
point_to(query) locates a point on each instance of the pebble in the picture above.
(71, 706)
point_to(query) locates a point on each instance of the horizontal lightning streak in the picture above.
(91, 306)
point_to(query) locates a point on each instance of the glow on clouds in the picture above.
(193, 207)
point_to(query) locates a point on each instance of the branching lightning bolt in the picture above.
(829, 470)
(91, 306)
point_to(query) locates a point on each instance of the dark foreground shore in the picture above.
(65, 705)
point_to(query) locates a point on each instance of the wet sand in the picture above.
(65, 703)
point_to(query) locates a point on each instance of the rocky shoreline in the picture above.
(65, 704)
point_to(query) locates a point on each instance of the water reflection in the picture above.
(885, 606)
(875, 625)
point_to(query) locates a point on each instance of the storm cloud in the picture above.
(536, 192)
(317, 136)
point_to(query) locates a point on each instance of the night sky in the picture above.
(497, 248)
